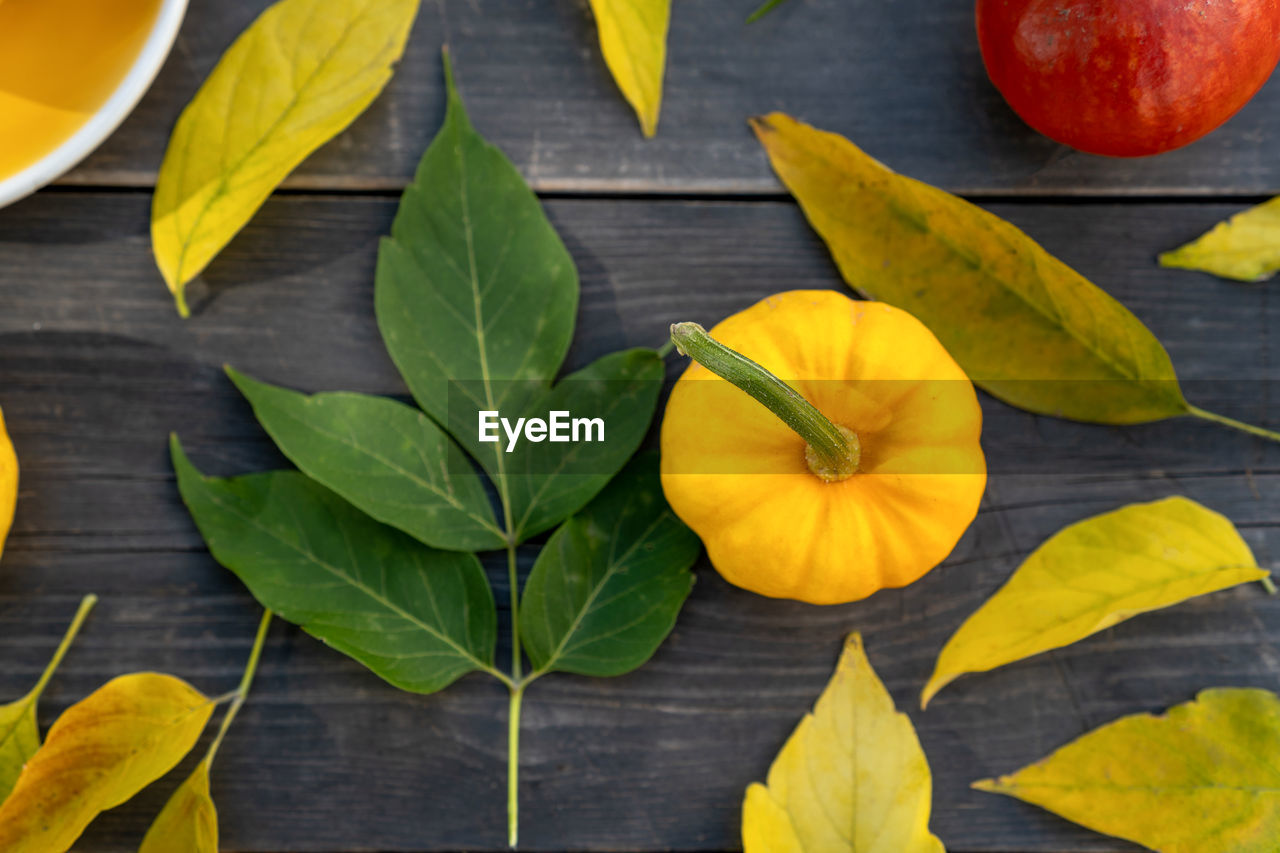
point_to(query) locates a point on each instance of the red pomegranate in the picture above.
(1128, 77)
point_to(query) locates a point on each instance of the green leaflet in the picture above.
(386, 458)
(607, 586)
(19, 733)
(548, 482)
(418, 617)
(473, 285)
(476, 298)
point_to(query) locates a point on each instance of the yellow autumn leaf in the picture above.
(633, 39)
(1246, 247)
(99, 753)
(19, 733)
(189, 821)
(852, 777)
(1095, 574)
(295, 79)
(1200, 779)
(8, 482)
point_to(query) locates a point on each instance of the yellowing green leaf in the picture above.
(851, 778)
(189, 821)
(19, 739)
(1246, 247)
(19, 733)
(1200, 779)
(1095, 574)
(1023, 325)
(295, 79)
(99, 753)
(633, 38)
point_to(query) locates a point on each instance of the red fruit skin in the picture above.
(1128, 78)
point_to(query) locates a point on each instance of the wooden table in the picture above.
(96, 370)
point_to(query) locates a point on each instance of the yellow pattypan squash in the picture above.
(8, 482)
(861, 470)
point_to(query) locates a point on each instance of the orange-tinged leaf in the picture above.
(189, 821)
(852, 778)
(99, 753)
(1095, 574)
(1200, 779)
(633, 39)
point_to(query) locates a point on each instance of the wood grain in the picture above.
(96, 370)
(902, 79)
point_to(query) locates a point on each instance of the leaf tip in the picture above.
(237, 378)
(450, 83)
(935, 684)
(990, 786)
(649, 124)
(761, 125)
(177, 454)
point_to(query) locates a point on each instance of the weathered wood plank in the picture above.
(95, 370)
(903, 79)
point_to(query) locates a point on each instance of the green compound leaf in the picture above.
(386, 458)
(420, 618)
(607, 588)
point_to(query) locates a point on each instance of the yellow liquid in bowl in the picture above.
(60, 60)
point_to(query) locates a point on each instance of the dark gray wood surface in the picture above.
(96, 370)
(903, 79)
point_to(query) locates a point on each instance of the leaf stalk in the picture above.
(242, 691)
(1270, 435)
(513, 765)
(82, 613)
(764, 10)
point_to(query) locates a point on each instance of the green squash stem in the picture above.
(833, 451)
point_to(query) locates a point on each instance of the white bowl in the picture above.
(109, 116)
